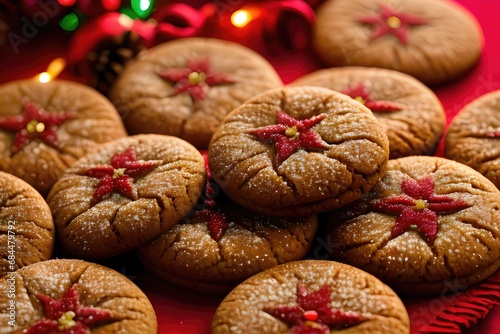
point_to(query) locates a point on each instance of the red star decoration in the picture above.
(195, 79)
(118, 177)
(493, 134)
(360, 93)
(216, 220)
(290, 135)
(390, 21)
(67, 315)
(418, 206)
(34, 123)
(312, 315)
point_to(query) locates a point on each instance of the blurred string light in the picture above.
(55, 67)
(138, 9)
(241, 18)
(44, 77)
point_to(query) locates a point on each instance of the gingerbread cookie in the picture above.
(473, 136)
(411, 114)
(27, 226)
(185, 87)
(221, 243)
(73, 296)
(430, 225)
(45, 127)
(311, 296)
(126, 192)
(434, 41)
(298, 151)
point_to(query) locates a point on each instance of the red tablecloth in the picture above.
(185, 312)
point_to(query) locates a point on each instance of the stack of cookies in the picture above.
(220, 179)
(93, 180)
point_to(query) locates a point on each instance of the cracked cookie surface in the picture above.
(433, 41)
(45, 127)
(185, 87)
(430, 224)
(311, 296)
(94, 287)
(26, 225)
(473, 135)
(220, 244)
(409, 111)
(298, 151)
(125, 193)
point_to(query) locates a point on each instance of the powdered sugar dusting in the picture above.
(351, 290)
(466, 238)
(250, 244)
(97, 286)
(354, 149)
(117, 223)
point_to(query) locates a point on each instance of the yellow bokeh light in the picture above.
(241, 18)
(55, 67)
(44, 77)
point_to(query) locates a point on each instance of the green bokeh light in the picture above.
(69, 22)
(142, 8)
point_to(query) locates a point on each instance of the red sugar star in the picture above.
(216, 220)
(360, 93)
(312, 315)
(66, 315)
(493, 134)
(118, 177)
(418, 206)
(195, 79)
(290, 135)
(390, 21)
(34, 123)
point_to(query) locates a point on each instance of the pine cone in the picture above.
(108, 59)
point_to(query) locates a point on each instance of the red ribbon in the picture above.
(282, 21)
(469, 308)
(289, 23)
(180, 20)
(114, 24)
(92, 7)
